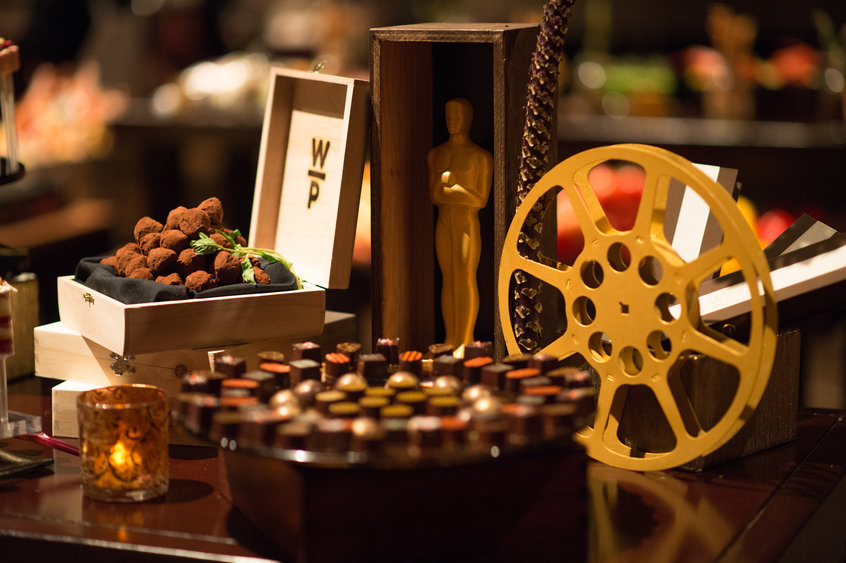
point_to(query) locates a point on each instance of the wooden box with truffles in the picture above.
(186, 281)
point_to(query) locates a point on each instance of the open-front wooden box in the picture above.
(307, 191)
(415, 70)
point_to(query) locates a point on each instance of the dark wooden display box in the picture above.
(415, 69)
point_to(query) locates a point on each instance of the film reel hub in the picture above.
(623, 309)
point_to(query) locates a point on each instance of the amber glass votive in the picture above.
(123, 433)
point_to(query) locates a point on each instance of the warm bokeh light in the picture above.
(118, 455)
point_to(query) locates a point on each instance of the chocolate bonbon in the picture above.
(478, 349)
(570, 377)
(202, 382)
(353, 384)
(344, 409)
(472, 369)
(447, 365)
(281, 372)
(403, 381)
(271, 356)
(388, 347)
(515, 376)
(415, 399)
(303, 369)
(352, 350)
(335, 365)
(266, 383)
(307, 391)
(440, 349)
(374, 368)
(324, 399)
(306, 351)
(543, 362)
(229, 365)
(493, 375)
(371, 405)
(411, 361)
(517, 361)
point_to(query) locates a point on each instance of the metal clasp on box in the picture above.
(121, 364)
(88, 298)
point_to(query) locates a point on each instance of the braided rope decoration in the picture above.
(538, 134)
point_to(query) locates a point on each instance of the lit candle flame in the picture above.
(119, 455)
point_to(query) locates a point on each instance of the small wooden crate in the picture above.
(306, 203)
(415, 70)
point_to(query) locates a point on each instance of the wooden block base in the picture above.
(61, 353)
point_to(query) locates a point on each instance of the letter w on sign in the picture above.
(319, 151)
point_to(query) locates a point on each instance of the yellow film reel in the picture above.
(632, 308)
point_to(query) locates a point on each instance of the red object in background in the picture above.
(771, 224)
(618, 189)
(796, 65)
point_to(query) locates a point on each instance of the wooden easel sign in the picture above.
(310, 169)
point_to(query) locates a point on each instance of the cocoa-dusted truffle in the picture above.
(130, 247)
(136, 261)
(262, 277)
(239, 239)
(109, 260)
(193, 222)
(161, 261)
(174, 217)
(214, 209)
(200, 280)
(146, 225)
(122, 260)
(220, 239)
(170, 279)
(189, 262)
(142, 274)
(150, 241)
(174, 239)
(227, 269)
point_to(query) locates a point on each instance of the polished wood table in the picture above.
(786, 503)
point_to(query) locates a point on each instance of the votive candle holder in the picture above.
(123, 433)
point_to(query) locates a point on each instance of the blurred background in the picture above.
(128, 108)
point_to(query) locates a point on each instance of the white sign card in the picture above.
(311, 192)
(691, 228)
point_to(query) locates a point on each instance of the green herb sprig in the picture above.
(206, 245)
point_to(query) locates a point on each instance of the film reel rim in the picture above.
(659, 164)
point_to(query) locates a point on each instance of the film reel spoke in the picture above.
(558, 277)
(691, 274)
(589, 213)
(678, 410)
(651, 207)
(564, 346)
(582, 182)
(717, 346)
(607, 415)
